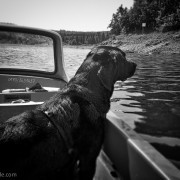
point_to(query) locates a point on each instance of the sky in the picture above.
(74, 15)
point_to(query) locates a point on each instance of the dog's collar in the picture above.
(65, 136)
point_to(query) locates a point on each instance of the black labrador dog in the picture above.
(62, 138)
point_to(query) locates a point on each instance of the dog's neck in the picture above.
(97, 93)
(102, 96)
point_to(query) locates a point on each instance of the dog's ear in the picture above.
(106, 76)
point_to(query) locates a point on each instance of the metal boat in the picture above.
(125, 154)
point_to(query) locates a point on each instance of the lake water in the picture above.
(73, 58)
(22, 56)
(149, 101)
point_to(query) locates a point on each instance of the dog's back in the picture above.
(30, 145)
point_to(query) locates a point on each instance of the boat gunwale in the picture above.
(137, 148)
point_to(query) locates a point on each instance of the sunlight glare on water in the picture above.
(73, 58)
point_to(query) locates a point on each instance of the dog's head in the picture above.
(113, 65)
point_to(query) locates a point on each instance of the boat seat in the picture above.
(14, 103)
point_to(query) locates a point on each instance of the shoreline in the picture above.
(78, 46)
(152, 43)
(147, 44)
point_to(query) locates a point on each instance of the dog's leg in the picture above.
(88, 159)
(87, 168)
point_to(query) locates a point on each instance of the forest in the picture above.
(155, 15)
(23, 38)
(83, 38)
(68, 37)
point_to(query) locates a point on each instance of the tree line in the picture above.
(163, 15)
(83, 38)
(23, 38)
(68, 37)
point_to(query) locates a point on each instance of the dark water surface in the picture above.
(150, 101)
(157, 80)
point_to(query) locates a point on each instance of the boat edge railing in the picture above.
(133, 156)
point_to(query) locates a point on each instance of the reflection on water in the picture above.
(150, 101)
(73, 58)
(153, 94)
